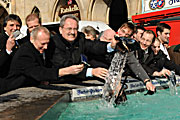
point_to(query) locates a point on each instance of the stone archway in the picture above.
(100, 11)
(36, 11)
(3, 14)
(56, 8)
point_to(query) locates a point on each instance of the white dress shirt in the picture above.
(163, 48)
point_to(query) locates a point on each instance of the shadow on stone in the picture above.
(8, 98)
(54, 87)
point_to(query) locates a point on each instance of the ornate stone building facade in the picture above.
(112, 12)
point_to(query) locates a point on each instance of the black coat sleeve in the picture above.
(95, 47)
(4, 56)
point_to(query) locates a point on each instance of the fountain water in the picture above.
(172, 83)
(113, 91)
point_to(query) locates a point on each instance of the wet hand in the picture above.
(150, 86)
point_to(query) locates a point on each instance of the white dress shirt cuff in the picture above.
(109, 49)
(89, 72)
(8, 52)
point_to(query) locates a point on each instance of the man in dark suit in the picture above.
(69, 46)
(28, 69)
(8, 45)
(146, 56)
(103, 60)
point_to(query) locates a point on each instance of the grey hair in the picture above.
(64, 17)
(35, 32)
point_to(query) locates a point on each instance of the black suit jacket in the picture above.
(65, 54)
(5, 58)
(27, 68)
(158, 62)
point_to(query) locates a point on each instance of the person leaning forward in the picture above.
(28, 69)
(70, 45)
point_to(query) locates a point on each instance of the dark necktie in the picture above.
(42, 56)
(145, 56)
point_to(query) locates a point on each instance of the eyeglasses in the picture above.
(70, 29)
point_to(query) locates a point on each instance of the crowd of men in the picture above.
(70, 55)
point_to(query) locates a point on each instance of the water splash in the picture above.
(172, 84)
(113, 79)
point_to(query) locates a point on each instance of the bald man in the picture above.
(28, 69)
(107, 35)
(103, 60)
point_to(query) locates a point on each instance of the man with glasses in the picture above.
(148, 37)
(146, 40)
(70, 46)
(133, 67)
(152, 61)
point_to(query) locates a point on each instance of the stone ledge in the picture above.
(30, 102)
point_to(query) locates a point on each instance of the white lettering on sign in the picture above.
(69, 9)
(157, 5)
(86, 92)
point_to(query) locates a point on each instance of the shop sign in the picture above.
(157, 5)
(69, 9)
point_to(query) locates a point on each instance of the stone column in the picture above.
(134, 7)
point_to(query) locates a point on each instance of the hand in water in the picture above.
(150, 86)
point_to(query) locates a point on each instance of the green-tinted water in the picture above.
(160, 106)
